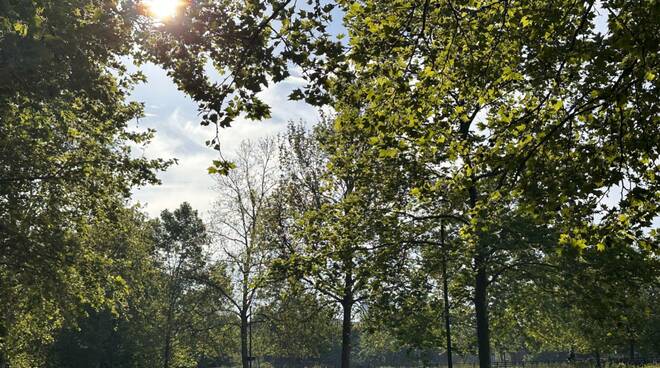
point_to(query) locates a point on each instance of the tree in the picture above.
(237, 224)
(606, 295)
(67, 171)
(51, 47)
(322, 226)
(127, 334)
(511, 104)
(295, 327)
(181, 240)
(65, 164)
(167, 317)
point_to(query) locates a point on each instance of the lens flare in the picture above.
(163, 9)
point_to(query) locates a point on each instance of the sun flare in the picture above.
(163, 9)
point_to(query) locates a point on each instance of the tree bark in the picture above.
(167, 348)
(481, 311)
(445, 291)
(632, 351)
(250, 326)
(346, 330)
(481, 296)
(347, 306)
(245, 356)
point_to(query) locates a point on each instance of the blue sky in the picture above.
(179, 135)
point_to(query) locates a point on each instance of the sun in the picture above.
(163, 9)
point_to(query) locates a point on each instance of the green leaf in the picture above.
(21, 29)
(388, 152)
(525, 21)
(558, 105)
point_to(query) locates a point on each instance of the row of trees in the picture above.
(356, 239)
(490, 116)
(292, 258)
(218, 295)
(507, 149)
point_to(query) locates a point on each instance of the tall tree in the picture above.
(519, 104)
(237, 224)
(167, 318)
(66, 165)
(181, 240)
(323, 229)
(126, 335)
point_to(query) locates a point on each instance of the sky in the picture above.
(179, 135)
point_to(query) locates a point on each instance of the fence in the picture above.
(579, 363)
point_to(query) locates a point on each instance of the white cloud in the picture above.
(179, 135)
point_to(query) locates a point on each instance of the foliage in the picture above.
(510, 105)
(223, 53)
(180, 240)
(514, 121)
(166, 312)
(321, 225)
(295, 325)
(528, 129)
(66, 165)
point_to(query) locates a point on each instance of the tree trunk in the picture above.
(481, 296)
(167, 348)
(346, 328)
(3, 335)
(481, 310)
(347, 306)
(250, 326)
(445, 292)
(245, 356)
(632, 351)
